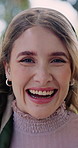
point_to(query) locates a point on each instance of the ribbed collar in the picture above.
(24, 122)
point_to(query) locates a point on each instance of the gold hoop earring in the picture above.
(72, 82)
(8, 83)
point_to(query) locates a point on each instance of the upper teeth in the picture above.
(42, 92)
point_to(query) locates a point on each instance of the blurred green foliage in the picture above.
(9, 8)
(76, 5)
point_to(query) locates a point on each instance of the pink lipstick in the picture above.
(41, 95)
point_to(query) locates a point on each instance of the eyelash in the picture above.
(30, 60)
(58, 61)
(27, 60)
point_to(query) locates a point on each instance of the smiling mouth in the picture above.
(41, 94)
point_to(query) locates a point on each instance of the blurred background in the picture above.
(9, 8)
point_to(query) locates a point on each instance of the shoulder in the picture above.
(73, 124)
(6, 133)
(73, 120)
(67, 134)
(6, 125)
(70, 127)
(7, 114)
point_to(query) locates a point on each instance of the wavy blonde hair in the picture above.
(56, 22)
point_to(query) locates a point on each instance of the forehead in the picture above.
(39, 38)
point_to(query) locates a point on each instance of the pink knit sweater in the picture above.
(60, 130)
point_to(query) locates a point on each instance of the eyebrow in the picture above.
(59, 54)
(35, 54)
(26, 53)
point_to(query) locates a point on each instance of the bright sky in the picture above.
(62, 6)
(2, 26)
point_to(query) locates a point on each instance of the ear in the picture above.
(7, 71)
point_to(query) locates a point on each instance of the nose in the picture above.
(43, 76)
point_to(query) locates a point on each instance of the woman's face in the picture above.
(40, 72)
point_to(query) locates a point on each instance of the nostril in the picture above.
(43, 74)
(43, 78)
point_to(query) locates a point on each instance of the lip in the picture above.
(41, 100)
(42, 89)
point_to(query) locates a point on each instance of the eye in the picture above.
(58, 61)
(27, 60)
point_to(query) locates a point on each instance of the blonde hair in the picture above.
(56, 22)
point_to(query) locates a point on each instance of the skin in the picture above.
(47, 67)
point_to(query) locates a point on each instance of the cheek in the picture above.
(63, 77)
(20, 75)
(64, 80)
